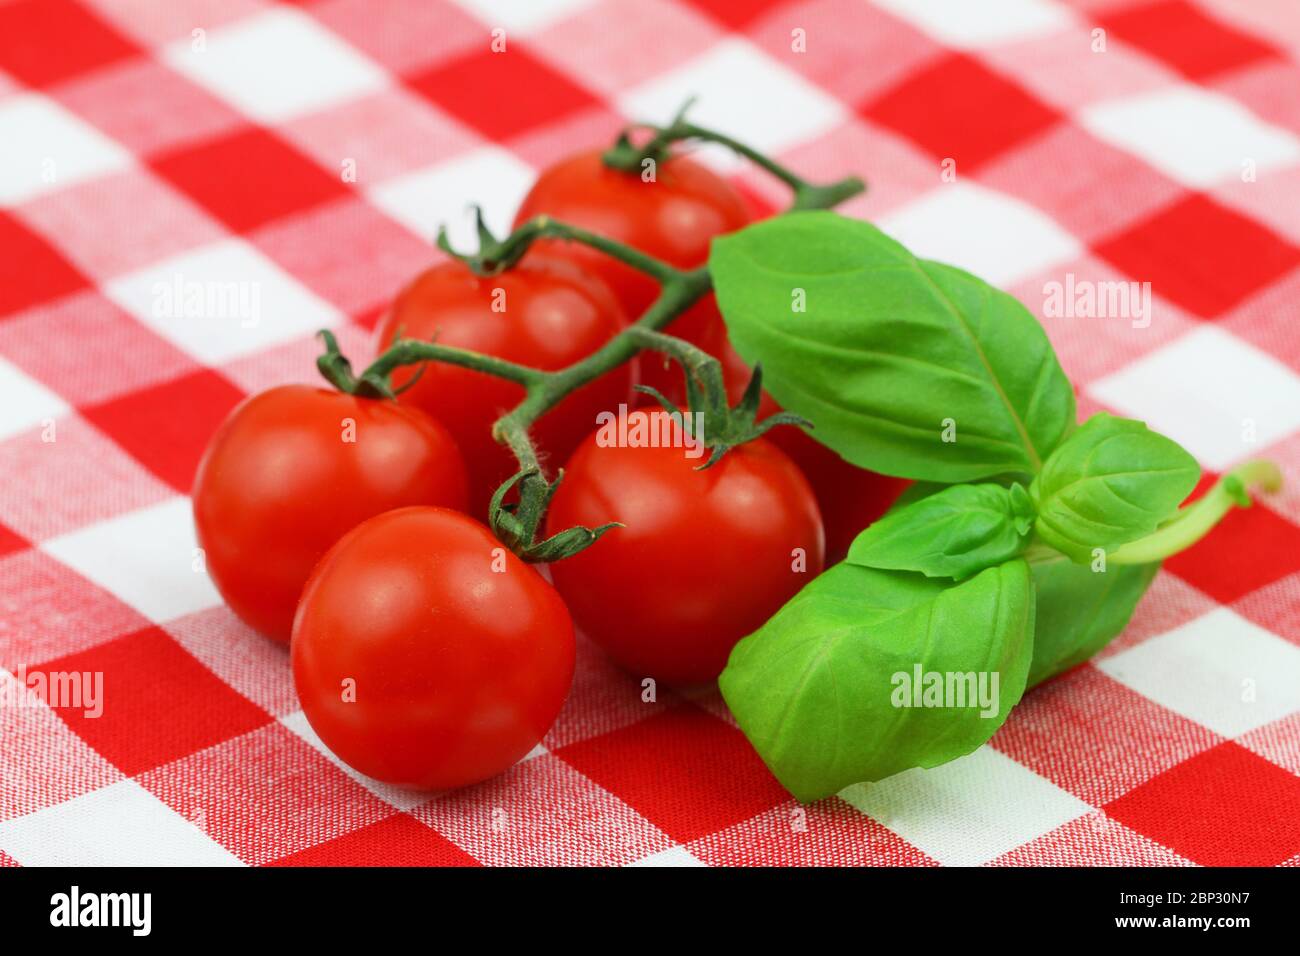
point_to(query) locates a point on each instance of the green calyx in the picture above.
(722, 426)
(337, 370)
(494, 255)
(627, 157)
(516, 524)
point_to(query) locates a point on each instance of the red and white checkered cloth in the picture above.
(308, 151)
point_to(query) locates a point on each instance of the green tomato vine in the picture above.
(518, 523)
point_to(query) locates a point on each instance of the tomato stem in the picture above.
(412, 351)
(517, 523)
(626, 157)
(497, 255)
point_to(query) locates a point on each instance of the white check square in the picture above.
(149, 559)
(24, 402)
(987, 233)
(276, 65)
(750, 96)
(1218, 396)
(444, 193)
(967, 25)
(673, 856)
(1219, 670)
(523, 17)
(969, 811)
(1196, 136)
(118, 825)
(221, 301)
(45, 148)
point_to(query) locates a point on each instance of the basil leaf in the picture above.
(1080, 611)
(953, 533)
(1113, 481)
(891, 349)
(820, 688)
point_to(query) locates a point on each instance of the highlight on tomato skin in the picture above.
(545, 312)
(294, 468)
(704, 557)
(426, 655)
(673, 218)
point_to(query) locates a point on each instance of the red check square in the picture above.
(1225, 807)
(159, 703)
(31, 270)
(524, 92)
(45, 41)
(11, 541)
(147, 424)
(1180, 34)
(737, 16)
(1200, 255)
(686, 771)
(399, 840)
(248, 178)
(957, 108)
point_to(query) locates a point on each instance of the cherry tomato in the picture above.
(545, 312)
(849, 497)
(705, 557)
(426, 655)
(672, 218)
(293, 469)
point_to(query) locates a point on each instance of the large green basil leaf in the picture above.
(952, 533)
(817, 688)
(905, 366)
(1113, 481)
(1080, 611)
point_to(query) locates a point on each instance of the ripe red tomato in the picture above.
(704, 559)
(545, 312)
(293, 469)
(673, 218)
(849, 498)
(426, 655)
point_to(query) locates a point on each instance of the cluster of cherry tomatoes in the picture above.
(424, 652)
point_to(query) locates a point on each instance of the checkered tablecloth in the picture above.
(305, 153)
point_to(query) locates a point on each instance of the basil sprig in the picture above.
(920, 370)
